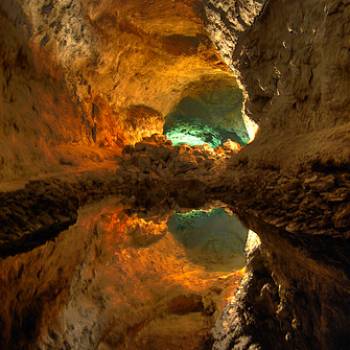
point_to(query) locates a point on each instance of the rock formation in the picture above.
(291, 59)
(85, 90)
(82, 78)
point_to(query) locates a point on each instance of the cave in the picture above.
(174, 174)
(209, 113)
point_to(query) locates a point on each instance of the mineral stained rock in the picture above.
(291, 59)
(81, 79)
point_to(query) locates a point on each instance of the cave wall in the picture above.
(294, 74)
(35, 109)
(291, 59)
(82, 77)
(77, 75)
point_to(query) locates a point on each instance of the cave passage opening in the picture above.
(213, 238)
(209, 112)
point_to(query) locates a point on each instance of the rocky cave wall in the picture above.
(81, 77)
(214, 102)
(292, 60)
(295, 74)
(89, 74)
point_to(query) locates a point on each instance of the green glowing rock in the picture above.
(179, 138)
(210, 112)
(193, 135)
(197, 133)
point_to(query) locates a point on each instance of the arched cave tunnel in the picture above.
(209, 112)
(174, 174)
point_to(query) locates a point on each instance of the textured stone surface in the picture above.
(158, 174)
(42, 209)
(95, 74)
(79, 79)
(291, 59)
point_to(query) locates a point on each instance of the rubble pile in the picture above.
(154, 171)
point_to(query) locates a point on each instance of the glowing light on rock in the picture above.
(233, 146)
(191, 136)
(199, 134)
(253, 242)
(209, 112)
(251, 126)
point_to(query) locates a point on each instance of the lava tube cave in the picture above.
(210, 112)
(174, 175)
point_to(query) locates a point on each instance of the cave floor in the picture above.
(66, 173)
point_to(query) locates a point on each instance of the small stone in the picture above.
(320, 184)
(140, 147)
(310, 180)
(341, 218)
(340, 195)
(293, 227)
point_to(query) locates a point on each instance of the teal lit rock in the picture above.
(195, 132)
(211, 112)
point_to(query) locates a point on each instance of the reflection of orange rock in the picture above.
(113, 281)
(154, 284)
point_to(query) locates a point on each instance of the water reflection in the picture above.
(118, 279)
(215, 239)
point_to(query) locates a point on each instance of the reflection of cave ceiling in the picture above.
(210, 237)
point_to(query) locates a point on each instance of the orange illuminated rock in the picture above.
(116, 280)
(82, 79)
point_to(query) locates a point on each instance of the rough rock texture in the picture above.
(291, 58)
(158, 174)
(292, 63)
(213, 101)
(42, 209)
(98, 74)
(302, 219)
(79, 79)
(227, 20)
